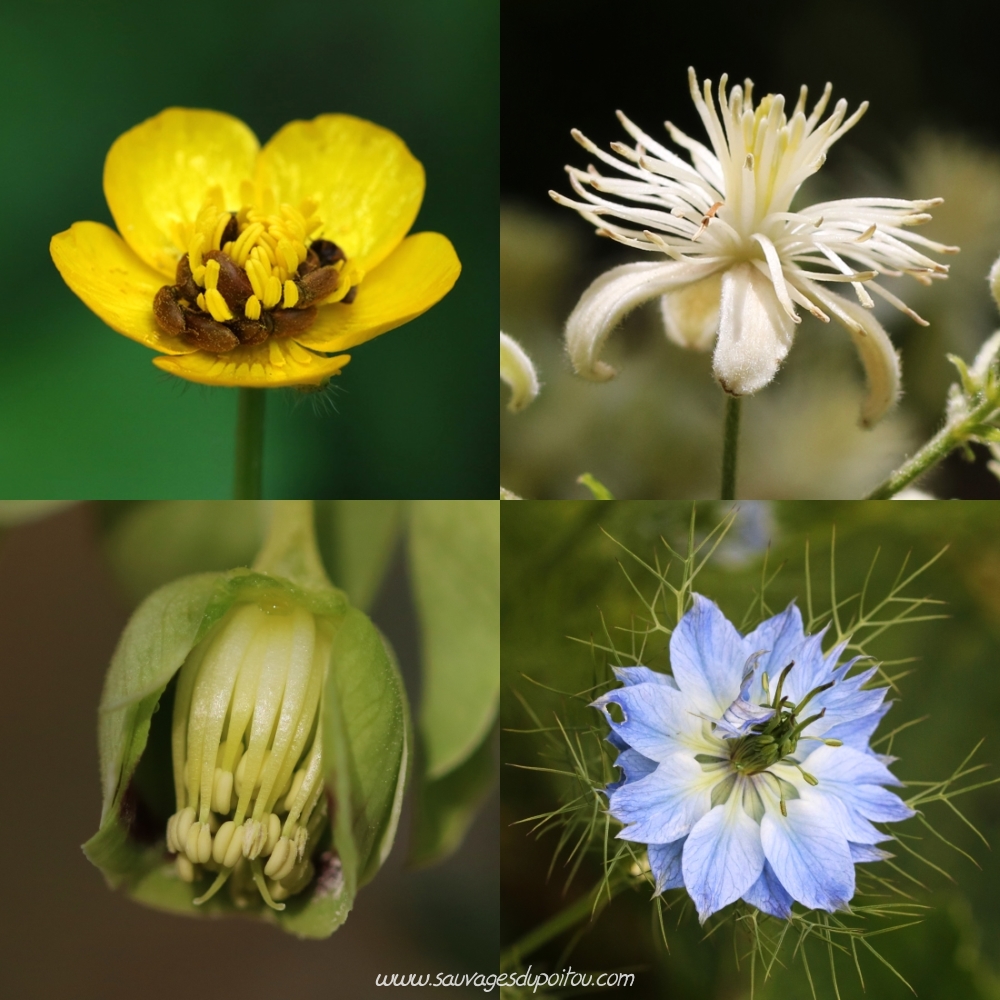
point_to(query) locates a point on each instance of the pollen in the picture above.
(247, 754)
(238, 265)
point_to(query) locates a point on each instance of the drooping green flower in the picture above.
(253, 736)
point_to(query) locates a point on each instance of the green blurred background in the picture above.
(656, 430)
(559, 577)
(83, 412)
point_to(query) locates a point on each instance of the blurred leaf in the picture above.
(446, 806)
(356, 539)
(455, 558)
(597, 489)
(150, 544)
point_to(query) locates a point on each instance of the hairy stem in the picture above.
(249, 444)
(587, 907)
(730, 444)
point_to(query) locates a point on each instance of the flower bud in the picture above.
(253, 734)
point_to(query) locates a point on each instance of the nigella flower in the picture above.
(250, 267)
(734, 260)
(747, 773)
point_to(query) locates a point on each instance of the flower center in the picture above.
(247, 753)
(777, 738)
(251, 274)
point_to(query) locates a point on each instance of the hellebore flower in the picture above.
(248, 266)
(737, 259)
(253, 743)
(747, 773)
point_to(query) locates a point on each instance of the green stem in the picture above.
(587, 907)
(730, 444)
(950, 437)
(249, 444)
(290, 549)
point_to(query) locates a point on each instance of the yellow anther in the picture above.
(220, 227)
(272, 292)
(287, 255)
(195, 248)
(234, 849)
(258, 274)
(211, 274)
(291, 294)
(275, 353)
(222, 791)
(184, 820)
(278, 857)
(273, 833)
(184, 868)
(216, 304)
(223, 839)
(290, 862)
(252, 308)
(227, 248)
(246, 239)
(191, 842)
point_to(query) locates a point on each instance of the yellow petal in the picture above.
(97, 265)
(270, 365)
(158, 174)
(420, 273)
(367, 184)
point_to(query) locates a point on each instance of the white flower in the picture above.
(518, 372)
(738, 259)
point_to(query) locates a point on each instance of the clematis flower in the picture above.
(747, 773)
(256, 267)
(734, 263)
(518, 372)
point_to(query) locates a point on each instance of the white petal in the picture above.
(518, 372)
(691, 314)
(722, 858)
(877, 354)
(610, 298)
(755, 333)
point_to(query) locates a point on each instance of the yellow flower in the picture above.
(249, 267)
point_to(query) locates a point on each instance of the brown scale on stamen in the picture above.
(191, 310)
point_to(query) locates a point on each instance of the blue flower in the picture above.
(747, 773)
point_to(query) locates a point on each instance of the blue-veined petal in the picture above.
(848, 767)
(642, 675)
(633, 767)
(658, 720)
(722, 857)
(809, 853)
(665, 863)
(663, 806)
(740, 716)
(861, 853)
(707, 656)
(769, 895)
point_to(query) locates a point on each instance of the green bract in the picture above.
(356, 735)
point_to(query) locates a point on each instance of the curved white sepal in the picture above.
(518, 372)
(755, 333)
(610, 298)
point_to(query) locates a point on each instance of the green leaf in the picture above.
(150, 544)
(455, 561)
(597, 489)
(356, 539)
(447, 806)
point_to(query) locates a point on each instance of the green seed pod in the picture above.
(253, 737)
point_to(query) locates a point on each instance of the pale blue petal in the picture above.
(879, 804)
(663, 806)
(665, 863)
(740, 717)
(633, 767)
(809, 853)
(658, 719)
(847, 766)
(769, 895)
(722, 857)
(643, 675)
(708, 656)
(616, 741)
(778, 639)
(857, 732)
(861, 853)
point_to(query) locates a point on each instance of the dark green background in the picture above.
(83, 411)
(559, 577)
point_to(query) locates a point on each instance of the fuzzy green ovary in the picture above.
(246, 706)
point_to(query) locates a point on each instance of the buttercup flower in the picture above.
(249, 266)
(735, 260)
(747, 773)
